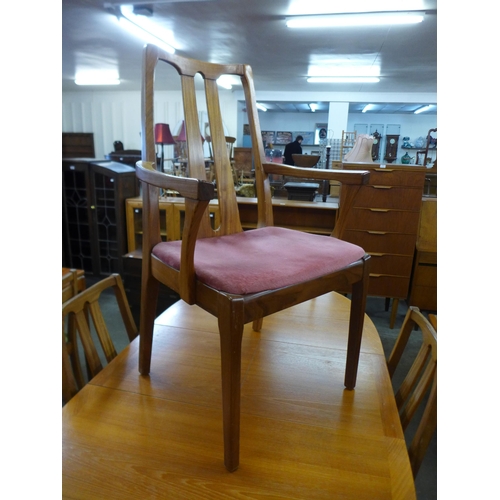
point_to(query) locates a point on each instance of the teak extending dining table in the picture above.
(303, 435)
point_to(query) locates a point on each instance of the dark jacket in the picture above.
(290, 149)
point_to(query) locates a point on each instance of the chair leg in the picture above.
(149, 297)
(394, 312)
(356, 322)
(231, 333)
(257, 324)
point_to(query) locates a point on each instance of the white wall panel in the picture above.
(116, 116)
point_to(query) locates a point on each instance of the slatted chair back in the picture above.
(86, 312)
(238, 276)
(419, 384)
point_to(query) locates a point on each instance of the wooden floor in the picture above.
(303, 436)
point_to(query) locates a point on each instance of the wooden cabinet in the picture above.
(171, 209)
(385, 221)
(423, 287)
(94, 224)
(77, 145)
(312, 217)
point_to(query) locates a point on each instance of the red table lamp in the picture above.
(163, 136)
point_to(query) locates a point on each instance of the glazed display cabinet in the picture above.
(94, 223)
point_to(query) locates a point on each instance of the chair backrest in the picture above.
(419, 385)
(69, 284)
(85, 310)
(210, 72)
(230, 146)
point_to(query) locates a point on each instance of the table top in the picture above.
(302, 434)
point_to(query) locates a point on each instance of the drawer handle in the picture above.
(383, 170)
(385, 210)
(376, 254)
(376, 232)
(382, 187)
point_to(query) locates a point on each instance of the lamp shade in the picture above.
(181, 137)
(163, 134)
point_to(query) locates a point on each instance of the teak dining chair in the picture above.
(85, 307)
(73, 281)
(238, 276)
(421, 377)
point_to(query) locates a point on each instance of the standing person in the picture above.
(293, 148)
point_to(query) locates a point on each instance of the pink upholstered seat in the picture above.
(262, 259)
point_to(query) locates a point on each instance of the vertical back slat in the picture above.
(228, 207)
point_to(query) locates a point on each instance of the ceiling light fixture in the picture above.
(261, 107)
(313, 107)
(355, 19)
(144, 28)
(343, 79)
(423, 109)
(368, 107)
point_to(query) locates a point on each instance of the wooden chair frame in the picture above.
(232, 311)
(420, 380)
(71, 286)
(80, 308)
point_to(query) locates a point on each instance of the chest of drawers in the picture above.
(384, 221)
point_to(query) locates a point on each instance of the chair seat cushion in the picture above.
(262, 259)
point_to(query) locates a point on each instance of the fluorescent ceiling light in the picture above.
(343, 68)
(313, 106)
(306, 7)
(357, 19)
(343, 79)
(261, 107)
(144, 28)
(368, 107)
(422, 109)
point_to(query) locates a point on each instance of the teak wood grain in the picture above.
(128, 436)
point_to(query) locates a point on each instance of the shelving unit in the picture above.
(348, 141)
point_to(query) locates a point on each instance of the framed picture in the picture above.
(308, 137)
(283, 138)
(267, 137)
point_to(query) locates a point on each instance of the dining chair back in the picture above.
(85, 309)
(73, 281)
(417, 393)
(238, 276)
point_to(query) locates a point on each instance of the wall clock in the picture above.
(391, 148)
(376, 145)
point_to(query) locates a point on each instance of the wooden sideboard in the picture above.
(312, 217)
(385, 222)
